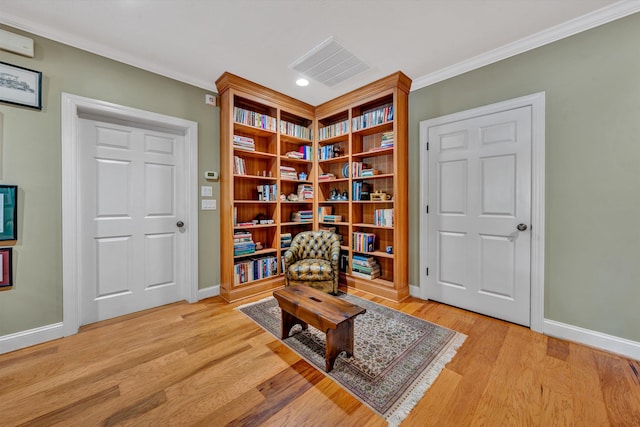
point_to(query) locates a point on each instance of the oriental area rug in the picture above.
(395, 360)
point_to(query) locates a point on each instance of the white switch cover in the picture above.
(206, 191)
(208, 205)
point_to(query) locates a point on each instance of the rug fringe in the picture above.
(249, 304)
(422, 384)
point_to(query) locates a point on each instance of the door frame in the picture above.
(537, 103)
(72, 107)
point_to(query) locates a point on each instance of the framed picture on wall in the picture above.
(20, 86)
(6, 267)
(8, 212)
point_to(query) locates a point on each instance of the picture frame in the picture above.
(6, 267)
(20, 86)
(8, 212)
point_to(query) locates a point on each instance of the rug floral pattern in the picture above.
(396, 356)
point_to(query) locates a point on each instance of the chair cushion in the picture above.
(310, 269)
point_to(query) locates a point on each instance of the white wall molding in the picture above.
(591, 338)
(211, 291)
(72, 106)
(30, 337)
(586, 22)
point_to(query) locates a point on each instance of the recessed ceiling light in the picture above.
(302, 82)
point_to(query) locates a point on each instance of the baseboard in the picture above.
(211, 291)
(591, 338)
(414, 291)
(31, 337)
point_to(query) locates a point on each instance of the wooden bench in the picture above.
(305, 305)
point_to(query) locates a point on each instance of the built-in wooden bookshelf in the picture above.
(287, 166)
(374, 144)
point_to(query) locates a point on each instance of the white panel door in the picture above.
(480, 196)
(131, 192)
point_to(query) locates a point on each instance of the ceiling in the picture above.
(195, 41)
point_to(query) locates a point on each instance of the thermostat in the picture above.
(210, 175)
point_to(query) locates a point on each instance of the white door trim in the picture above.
(537, 103)
(72, 105)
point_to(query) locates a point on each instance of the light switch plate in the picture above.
(208, 204)
(206, 191)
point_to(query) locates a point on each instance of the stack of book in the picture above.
(294, 155)
(305, 192)
(363, 242)
(387, 140)
(243, 243)
(326, 176)
(285, 240)
(357, 168)
(383, 217)
(287, 172)
(243, 143)
(302, 216)
(332, 218)
(239, 166)
(364, 266)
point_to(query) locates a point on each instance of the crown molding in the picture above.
(101, 50)
(586, 22)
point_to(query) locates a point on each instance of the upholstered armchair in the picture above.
(312, 260)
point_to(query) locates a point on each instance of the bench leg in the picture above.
(288, 322)
(338, 340)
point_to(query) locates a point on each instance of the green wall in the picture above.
(31, 159)
(592, 241)
(592, 85)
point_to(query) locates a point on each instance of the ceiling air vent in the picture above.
(329, 63)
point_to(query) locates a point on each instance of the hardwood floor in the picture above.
(207, 364)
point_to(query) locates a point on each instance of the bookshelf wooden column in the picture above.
(367, 131)
(260, 132)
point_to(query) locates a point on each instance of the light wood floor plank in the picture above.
(206, 364)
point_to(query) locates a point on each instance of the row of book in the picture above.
(335, 129)
(361, 190)
(378, 116)
(328, 152)
(365, 266)
(244, 143)
(243, 243)
(357, 168)
(363, 242)
(302, 216)
(383, 217)
(298, 131)
(255, 269)
(252, 118)
(239, 166)
(267, 192)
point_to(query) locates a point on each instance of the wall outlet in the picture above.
(210, 100)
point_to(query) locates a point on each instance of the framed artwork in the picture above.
(6, 265)
(20, 86)
(8, 212)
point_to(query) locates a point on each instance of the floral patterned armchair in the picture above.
(312, 260)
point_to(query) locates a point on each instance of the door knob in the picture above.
(180, 224)
(521, 227)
